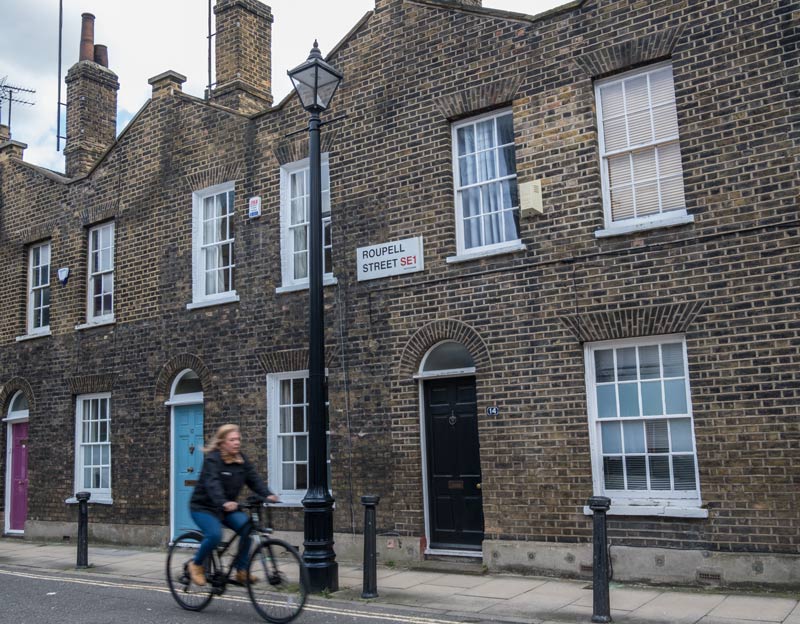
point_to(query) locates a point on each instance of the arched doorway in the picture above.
(452, 467)
(16, 503)
(186, 404)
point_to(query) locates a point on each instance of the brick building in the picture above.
(597, 213)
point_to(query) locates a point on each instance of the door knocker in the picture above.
(452, 420)
(191, 449)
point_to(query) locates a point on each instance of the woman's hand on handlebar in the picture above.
(230, 506)
(273, 498)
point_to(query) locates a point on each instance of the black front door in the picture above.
(454, 467)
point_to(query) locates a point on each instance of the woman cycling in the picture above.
(225, 472)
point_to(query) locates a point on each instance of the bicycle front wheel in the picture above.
(281, 581)
(187, 594)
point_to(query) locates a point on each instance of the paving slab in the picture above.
(678, 608)
(501, 588)
(405, 580)
(755, 608)
(460, 581)
(622, 599)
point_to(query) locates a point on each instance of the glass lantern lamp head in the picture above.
(315, 81)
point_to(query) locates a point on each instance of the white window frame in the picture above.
(107, 317)
(633, 224)
(290, 497)
(289, 282)
(678, 503)
(200, 298)
(32, 289)
(99, 494)
(462, 252)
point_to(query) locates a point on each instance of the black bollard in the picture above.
(370, 549)
(83, 529)
(601, 607)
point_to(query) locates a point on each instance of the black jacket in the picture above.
(220, 482)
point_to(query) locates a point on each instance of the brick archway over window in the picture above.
(10, 388)
(174, 366)
(438, 331)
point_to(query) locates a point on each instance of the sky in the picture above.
(146, 38)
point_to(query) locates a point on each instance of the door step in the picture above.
(450, 565)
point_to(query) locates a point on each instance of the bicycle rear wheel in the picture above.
(279, 592)
(188, 595)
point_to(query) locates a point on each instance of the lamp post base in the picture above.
(318, 554)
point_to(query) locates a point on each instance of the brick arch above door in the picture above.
(439, 331)
(11, 387)
(174, 366)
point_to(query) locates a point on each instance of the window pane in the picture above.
(634, 436)
(508, 161)
(298, 419)
(665, 120)
(628, 400)
(288, 476)
(505, 129)
(651, 399)
(657, 437)
(676, 396)
(636, 471)
(659, 473)
(606, 402)
(286, 392)
(301, 476)
(486, 166)
(611, 100)
(683, 467)
(287, 447)
(484, 134)
(470, 202)
(649, 365)
(298, 391)
(640, 130)
(286, 420)
(467, 170)
(672, 194)
(105, 478)
(680, 430)
(626, 364)
(466, 140)
(647, 202)
(604, 365)
(622, 203)
(644, 165)
(612, 438)
(615, 135)
(672, 356)
(612, 473)
(637, 97)
(301, 446)
(619, 170)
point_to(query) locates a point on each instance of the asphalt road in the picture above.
(40, 597)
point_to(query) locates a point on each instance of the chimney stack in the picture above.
(243, 45)
(91, 104)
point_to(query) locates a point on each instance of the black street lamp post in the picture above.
(315, 83)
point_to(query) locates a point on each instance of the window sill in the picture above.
(33, 336)
(207, 303)
(487, 253)
(90, 324)
(661, 222)
(666, 511)
(326, 281)
(97, 501)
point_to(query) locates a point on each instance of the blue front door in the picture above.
(188, 461)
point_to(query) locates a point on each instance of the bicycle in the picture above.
(280, 591)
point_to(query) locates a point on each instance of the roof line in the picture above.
(333, 51)
(48, 173)
(453, 5)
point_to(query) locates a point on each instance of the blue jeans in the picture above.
(211, 527)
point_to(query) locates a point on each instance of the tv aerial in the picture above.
(10, 93)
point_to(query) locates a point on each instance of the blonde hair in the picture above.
(219, 437)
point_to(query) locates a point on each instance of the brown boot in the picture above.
(197, 573)
(243, 577)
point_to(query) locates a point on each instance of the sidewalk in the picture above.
(488, 598)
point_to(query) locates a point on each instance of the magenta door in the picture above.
(18, 504)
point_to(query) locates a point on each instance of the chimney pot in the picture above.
(101, 55)
(87, 38)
